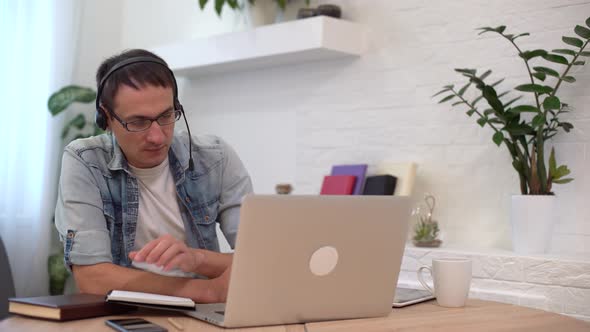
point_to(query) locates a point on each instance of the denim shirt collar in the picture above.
(178, 157)
(119, 162)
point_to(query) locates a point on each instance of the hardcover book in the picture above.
(380, 185)
(338, 185)
(358, 170)
(65, 307)
(404, 172)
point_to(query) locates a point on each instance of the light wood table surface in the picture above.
(476, 316)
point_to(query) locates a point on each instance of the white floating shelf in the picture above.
(311, 39)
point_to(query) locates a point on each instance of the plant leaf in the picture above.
(585, 53)
(538, 120)
(540, 76)
(552, 162)
(527, 55)
(562, 181)
(219, 6)
(512, 101)
(519, 129)
(447, 98)
(482, 121)
(485, 75)
(541, 89)
(497, 82)
(498, 138)
(78, 121)
(551, 103)
(470, 112)
(202, 4)
(463, 89)
(564, 51)
(566, 126)
(476, 100)
(582, 32)
(524, 108)
(490, 95)
(569, 79)
(521, 35)
(547, 71)
(67, 95)
(466, 71)
(441, 91)
(457, 103)
(573, 41)
(588, 22)
(556, 59)
(579, 63)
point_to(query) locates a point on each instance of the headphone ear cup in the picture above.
(100, 119)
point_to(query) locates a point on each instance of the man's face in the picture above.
(149, 148)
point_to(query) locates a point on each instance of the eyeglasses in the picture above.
(142, 124)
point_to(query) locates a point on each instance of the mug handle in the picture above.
(424, 284)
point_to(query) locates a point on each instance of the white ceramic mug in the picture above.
(452, 280)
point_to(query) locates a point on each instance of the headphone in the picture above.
(101, 118)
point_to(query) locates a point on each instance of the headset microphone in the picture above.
(191, 164)
(101, 118)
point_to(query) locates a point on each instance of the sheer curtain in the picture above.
(38, 39)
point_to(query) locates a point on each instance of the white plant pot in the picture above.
(532, 218)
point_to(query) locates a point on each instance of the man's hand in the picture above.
(169, 253)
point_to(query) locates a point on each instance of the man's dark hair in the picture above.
(135, 75)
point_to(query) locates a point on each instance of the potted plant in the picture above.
(77, 127)
(426, 230)
(525, 128)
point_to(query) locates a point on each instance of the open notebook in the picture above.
(150, 300)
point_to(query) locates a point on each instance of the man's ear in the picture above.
(107, 116)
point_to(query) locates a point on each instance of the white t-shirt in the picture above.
(159, 212)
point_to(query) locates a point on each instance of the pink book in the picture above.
(338, 185)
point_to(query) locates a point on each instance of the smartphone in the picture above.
(407, 296)
(134, 324)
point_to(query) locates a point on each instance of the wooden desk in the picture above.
(476, 316)
(21, 324)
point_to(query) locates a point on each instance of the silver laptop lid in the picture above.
(359, 238)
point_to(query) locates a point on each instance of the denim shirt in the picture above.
(98, 198)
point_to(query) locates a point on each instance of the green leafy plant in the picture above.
(66, 96)
(235, 4)
(78, 127)
(425, 230)
(525, 128)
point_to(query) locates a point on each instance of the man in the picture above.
(138, 206)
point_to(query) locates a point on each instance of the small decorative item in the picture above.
(306, 12)
(426, 229)
(329, 10)
(325, 10)
(283, 188)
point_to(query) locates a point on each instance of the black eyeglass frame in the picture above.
(125, 124)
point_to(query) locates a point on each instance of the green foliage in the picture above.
(525, 128)
(66, 96)
(425, 230)
(58, 274)
(235, 4)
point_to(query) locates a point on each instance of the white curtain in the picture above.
(38, 43)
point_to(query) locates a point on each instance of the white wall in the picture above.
(292, 123)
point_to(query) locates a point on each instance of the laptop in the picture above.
(302, 259)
